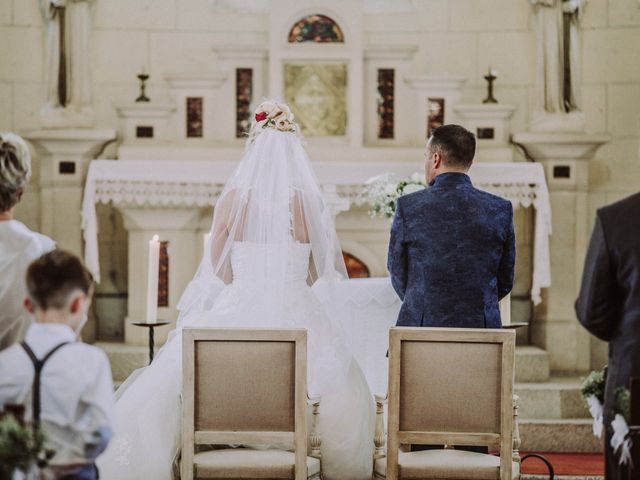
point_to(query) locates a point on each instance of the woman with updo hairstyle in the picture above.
(19, 246)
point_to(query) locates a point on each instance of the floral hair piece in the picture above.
(272, 114)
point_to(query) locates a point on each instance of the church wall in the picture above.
(461, 37)
(456, 36)
(467, 36)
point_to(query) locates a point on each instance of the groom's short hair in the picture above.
(456, 145)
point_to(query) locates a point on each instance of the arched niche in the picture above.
(356, 268)
(316, 28)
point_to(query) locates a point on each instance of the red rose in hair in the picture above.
(261, 116)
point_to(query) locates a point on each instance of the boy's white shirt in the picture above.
(19, 246)
(77, 400)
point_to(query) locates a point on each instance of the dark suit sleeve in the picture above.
(508, 260)
(596, 306)
(397, 257)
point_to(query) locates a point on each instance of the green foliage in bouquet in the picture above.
(622, 404)
(21, 445)
(594, 385)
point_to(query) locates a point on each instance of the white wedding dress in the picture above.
(148, 411)
(273, 262)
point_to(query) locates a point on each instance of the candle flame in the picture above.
(156, 238)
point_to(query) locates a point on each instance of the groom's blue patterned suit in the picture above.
(452, 255)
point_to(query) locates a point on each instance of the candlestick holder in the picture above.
(143, 77)
(151, 326)
(490, 78)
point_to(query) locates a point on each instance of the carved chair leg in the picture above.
(516, 429)
(379, 436)
(315, 440)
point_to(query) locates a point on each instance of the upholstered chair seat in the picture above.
(236, 463)
(445, 465)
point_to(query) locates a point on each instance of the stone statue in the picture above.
(572, 11)
(558, 55)
(68, 62)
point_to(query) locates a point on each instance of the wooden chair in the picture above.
(449, 387)
(246, 387)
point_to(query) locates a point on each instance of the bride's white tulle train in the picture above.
(272, 236)
(148, 409)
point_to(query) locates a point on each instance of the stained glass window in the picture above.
(317, 29)
(244, 94)
(355, 267)
(163, 275)
(436, 114)
(386, 84)
(194, 117)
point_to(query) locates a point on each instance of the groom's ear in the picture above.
(437, 160)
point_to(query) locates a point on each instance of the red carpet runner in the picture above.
(566, 464)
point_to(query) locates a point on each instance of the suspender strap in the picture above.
(38, 366)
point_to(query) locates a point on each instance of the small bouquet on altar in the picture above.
(383, 191)
(593, 394)
(22, 447)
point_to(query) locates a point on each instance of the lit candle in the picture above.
(206, 239)
(152, 279)
(493, 72)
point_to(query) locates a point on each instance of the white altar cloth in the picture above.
(373, 307)
(146, 183)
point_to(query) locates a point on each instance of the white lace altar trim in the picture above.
(144, 183)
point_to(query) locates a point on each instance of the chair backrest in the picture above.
(453, 387)
(244, 386)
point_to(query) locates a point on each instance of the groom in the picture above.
(452, 249)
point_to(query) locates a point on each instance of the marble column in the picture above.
(555, 328)
(490, 122)
(146, 121)
(446, 87)
(64, 156)
(205, 86)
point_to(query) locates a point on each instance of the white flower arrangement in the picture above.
(593, 394)
(383, 191)
(621, 440)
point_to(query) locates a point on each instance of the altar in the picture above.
(174, 199)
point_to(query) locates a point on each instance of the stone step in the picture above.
(557, 398)
(532, 364)
(124, 359)
(564, 435)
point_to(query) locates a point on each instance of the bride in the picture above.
(273, 260)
